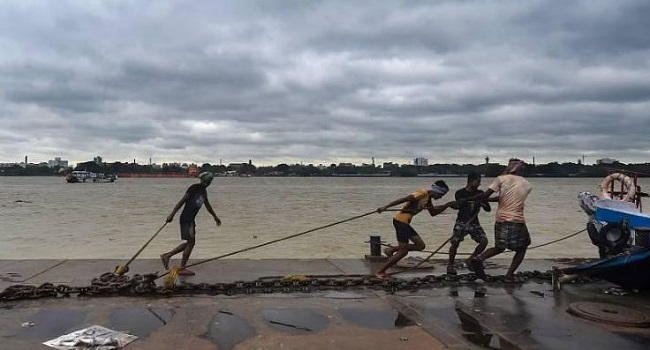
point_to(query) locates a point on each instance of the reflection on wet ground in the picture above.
(227, 330)
(370, 318)
(140, 321)
(52, 323)
(295, 320)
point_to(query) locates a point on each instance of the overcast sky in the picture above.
(322, 82)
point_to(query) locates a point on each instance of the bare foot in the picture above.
(165, 261)
(389, 251)
(382, 275)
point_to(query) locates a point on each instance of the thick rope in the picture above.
(558, 240)
(276, 240)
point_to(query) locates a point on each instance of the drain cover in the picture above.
(610, 313)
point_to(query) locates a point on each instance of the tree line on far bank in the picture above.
(553, 169)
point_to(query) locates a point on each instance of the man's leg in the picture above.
(418, 243)
(166, 256)
(476, 263)
(186, 253)
(519, 241)
(480, 247)
(500, 244)
(453, 248)
(516, 261)
(490, 252)
(401, 251)
(403, 232)
(191, 234)
(478, 236)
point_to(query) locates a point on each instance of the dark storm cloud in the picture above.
(328, 81)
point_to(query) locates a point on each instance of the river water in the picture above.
(47, 218)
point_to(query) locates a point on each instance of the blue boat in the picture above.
(630, 270)
(620, 230)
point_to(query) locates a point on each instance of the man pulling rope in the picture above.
(415, 203)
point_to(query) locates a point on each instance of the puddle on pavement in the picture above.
(380, 319)
(295, 320)
(140, 321)
(227, 330)
(48, 324)
(485, 341)
(475, 333)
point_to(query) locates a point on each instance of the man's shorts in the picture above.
(188, 231)
(403, 231)
(511, 235)
(473, 230)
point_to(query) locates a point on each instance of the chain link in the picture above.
(109, 284)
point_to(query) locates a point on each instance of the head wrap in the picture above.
(206, 176)
(514, 166)
(439, 189)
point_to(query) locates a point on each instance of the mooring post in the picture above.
(375, 248)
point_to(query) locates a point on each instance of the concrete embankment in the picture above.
(469, 315)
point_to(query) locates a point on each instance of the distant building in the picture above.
(192, 170)
(606, 161)
(420, 161)
(98, 160)
(57, 162)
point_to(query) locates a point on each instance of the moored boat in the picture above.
(87, 176)
(620, 230)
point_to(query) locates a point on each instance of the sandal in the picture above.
(186, 272)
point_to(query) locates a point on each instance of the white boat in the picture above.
(87, 176)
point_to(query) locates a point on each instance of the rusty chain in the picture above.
(109, 284)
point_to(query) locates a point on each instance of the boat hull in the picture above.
(630, 270)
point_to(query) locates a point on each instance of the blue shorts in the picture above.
(403, 231)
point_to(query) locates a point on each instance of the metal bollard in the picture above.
(375, 245)
(375, 248)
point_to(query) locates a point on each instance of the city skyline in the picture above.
(325, 82)
(417, 161)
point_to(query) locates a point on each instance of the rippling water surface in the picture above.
(45, 217)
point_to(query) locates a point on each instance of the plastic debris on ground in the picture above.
(619, 291)
(94, 337)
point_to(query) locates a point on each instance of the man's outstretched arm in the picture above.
(408, 198)
(170, 217)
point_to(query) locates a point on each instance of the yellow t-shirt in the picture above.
(513, 191)
(422, 199)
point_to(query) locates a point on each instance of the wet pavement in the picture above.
(467, 316)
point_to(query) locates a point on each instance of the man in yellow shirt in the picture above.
(510, 231)
(415, 203)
